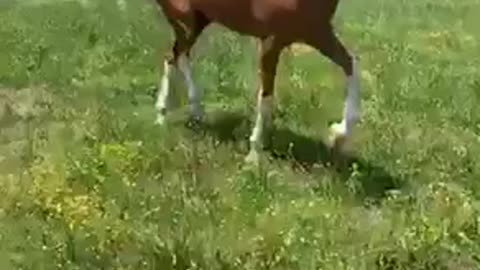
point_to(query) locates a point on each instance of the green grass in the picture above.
(87, 181)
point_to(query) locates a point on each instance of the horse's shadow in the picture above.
(304, 152)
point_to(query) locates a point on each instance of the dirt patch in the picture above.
(17, 107)
(21, 104)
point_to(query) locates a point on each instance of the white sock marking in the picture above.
(351, 112)
(164, 89)
(194, 95)
(264, 111)
(162, 103)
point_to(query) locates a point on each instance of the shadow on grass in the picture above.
(304, 152)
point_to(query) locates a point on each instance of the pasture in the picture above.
(87, 181)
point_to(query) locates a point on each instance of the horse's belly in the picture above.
(248, 27)
(255, 18)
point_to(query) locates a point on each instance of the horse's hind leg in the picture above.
(329, 45)
(186, 33)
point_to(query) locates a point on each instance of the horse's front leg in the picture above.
(268, 54)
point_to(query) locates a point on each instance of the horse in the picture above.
(275, 24)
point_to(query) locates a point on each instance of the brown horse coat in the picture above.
(277, 24)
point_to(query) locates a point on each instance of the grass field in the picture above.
(87, 181)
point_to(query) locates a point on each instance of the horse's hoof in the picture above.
(196, 119)
(337, 142)
(252, 158)
(194, 122)
(197, 113)
(160, 121)
(337, 138)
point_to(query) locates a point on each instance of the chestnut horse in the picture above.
(276, 24)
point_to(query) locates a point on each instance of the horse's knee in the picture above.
(347, 62)
(170, 57)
